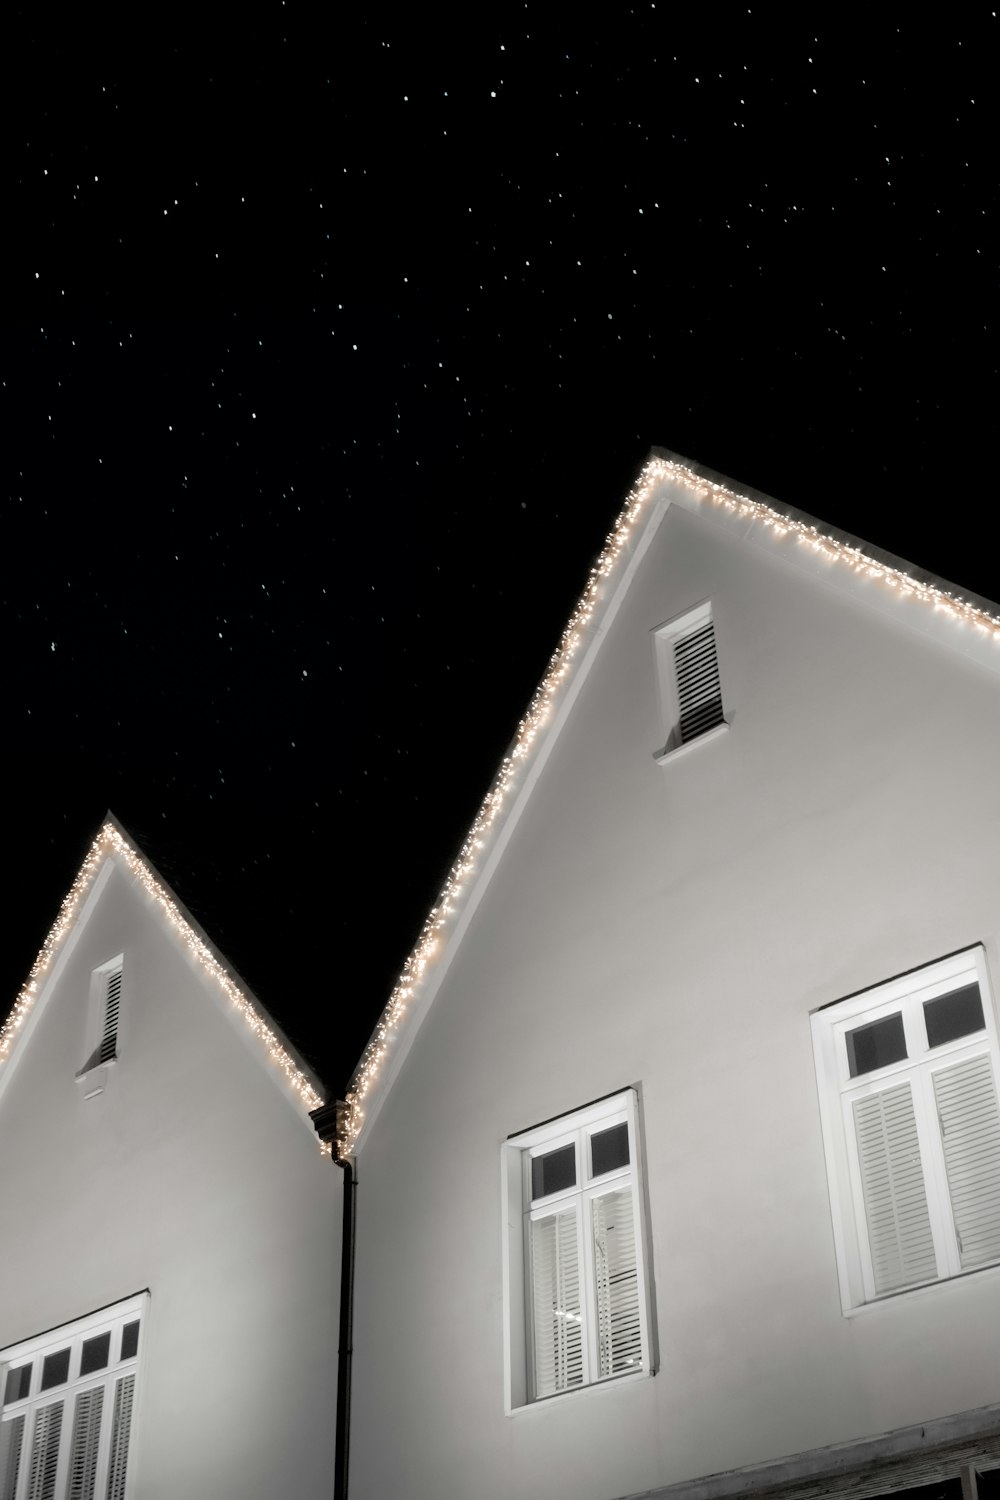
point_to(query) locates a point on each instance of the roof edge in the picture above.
(662, 467)
(113, 842)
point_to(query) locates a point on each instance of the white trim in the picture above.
(520, 1211)
(838, 1093)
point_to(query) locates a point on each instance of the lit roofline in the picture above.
(660, 467)
(112, 842)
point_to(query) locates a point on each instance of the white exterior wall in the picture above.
(673, 926)
(196, 1176)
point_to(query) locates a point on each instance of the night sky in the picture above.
(331, 345)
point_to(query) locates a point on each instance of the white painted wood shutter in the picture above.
(966, 1097)
(45, 1452)
(120, 1428)
(616, 1279)
(85, 1445)
(892, 1184)
(557, 1312)
(11, 1439)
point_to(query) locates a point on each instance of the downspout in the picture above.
(325, 1120)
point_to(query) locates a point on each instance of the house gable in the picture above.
(823, 554)
(113, 851)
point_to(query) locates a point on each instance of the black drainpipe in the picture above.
(326, 1120)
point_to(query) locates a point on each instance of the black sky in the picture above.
(330, 349)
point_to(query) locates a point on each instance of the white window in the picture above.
(908, 1079)
(66, 1412)
(575, 1275)
(690, 686)
(104, 1015)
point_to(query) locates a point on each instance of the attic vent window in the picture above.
(103, 1018)
(691, 688)
(112, 1004)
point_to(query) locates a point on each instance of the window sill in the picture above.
(613, 1382)
(92, 1081)
(673, 752)
(928, 1289)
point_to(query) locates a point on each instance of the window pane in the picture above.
(876, 1045)
(55, 1369)
(18, 1383)
(954, 1015)
(95, 1354)
(553, 1172)
(130, 1340)
(557, 1312)
(609, 1149)
(616, 1283)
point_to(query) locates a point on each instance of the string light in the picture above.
(108, 842)
(444, 913)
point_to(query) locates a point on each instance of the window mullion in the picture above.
(935, 1176)
(588, 1301)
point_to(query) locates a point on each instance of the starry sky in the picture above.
(331, 346)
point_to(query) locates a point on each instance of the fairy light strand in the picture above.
(110, 842)
(443, 915)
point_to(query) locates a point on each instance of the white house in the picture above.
(678, 1145)
(169, 1223)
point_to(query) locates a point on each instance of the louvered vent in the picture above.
(112, 1005)
(970, 1131)
(558, 1316)
(699, 691)
(616, 1274)
(120, 1426)
(892, 1182)
(11, 1438)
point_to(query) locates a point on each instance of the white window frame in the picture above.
(666, 637)
(838, 1093)
(32, 1352)
(519, 1212)
(93, 1076)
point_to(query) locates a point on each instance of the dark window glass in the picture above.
(55, 1369)
(96, 1352)
(609, 1149)
(988, 1483)
(130, 1340)
(18, 1383)
(553, 1172)
(954, 1015)
(876, 1045)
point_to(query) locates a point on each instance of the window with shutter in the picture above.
(908, 1076)
(576, 1289)
(690, 683)
(66, 1417)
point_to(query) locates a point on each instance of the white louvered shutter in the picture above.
(699, 691)
(558, 1315)
(112, 1005)
(966, 1099)
(616, 1280)
(892, 1184)
(120, 1425)
(11, 1438)
(85, 1444)
(45, 1452)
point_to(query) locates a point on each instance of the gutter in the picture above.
(326, 1120)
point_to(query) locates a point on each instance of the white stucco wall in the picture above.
(193, 1175)
(673, 926)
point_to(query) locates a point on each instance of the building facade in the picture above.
(678, 1147)
(170, 1226)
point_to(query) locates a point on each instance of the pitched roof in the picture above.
(973, 625)
(112, 843)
